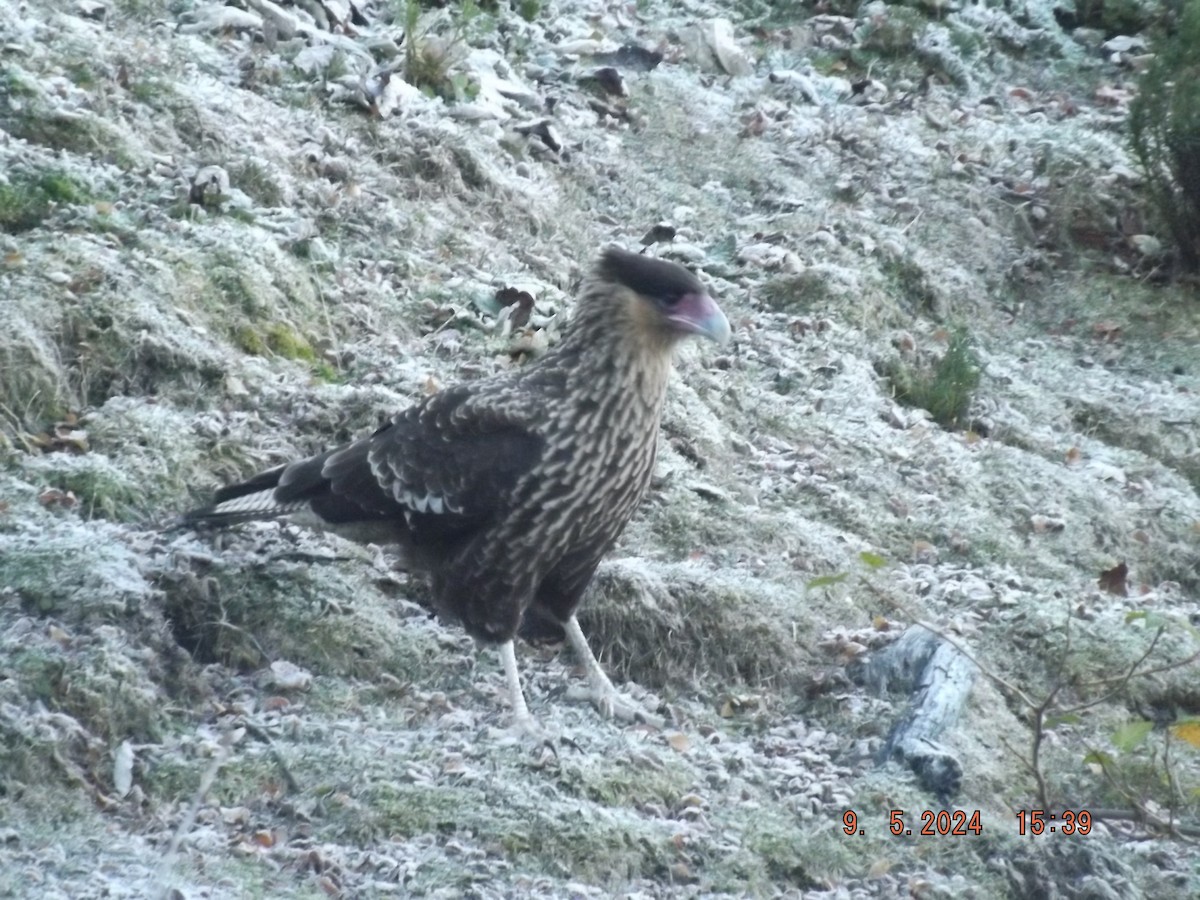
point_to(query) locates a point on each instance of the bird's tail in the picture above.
(245, 502)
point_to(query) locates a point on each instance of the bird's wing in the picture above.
(444, 464)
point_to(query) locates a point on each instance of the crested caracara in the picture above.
(509, 490)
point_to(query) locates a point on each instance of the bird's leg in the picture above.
(603, 695)
(522, 720)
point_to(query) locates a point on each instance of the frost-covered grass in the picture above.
(152, 348)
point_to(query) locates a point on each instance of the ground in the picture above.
(963, 396)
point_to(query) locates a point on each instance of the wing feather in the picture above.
(452, 462)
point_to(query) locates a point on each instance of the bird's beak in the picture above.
(699, 314)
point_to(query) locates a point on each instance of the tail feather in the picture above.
(246, 501)
(342, 493)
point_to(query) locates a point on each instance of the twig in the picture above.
(254, 730)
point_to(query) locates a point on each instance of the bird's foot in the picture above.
(600, 690)
(526, 730)
(523, 728)
(612, 705)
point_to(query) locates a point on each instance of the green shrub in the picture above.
(945, 388)
(435, 43)
(1164, 129)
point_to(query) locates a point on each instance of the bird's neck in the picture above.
(620, 362)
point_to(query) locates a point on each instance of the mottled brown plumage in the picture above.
(508, 491)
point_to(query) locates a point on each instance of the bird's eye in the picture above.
(670, 301)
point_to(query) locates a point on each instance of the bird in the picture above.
(508, 491)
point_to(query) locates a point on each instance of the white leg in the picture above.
(521, 717)
(603, 694)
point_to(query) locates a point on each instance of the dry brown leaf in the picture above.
(1188, 731)
(1045, 524)
(54, 497)
(1074, 456)
(879, 868)
(679, 741)
(1114, 580)
(923, 550)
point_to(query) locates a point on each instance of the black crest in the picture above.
(650, 277)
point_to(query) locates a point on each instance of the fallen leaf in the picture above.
(679, 741)
(54, 497)
(1074, 456)
(1111, 96)
(879, 868)
(1044, 524)
(1188, 731)
(923, 549)
(1113, 580)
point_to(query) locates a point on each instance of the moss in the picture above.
(285, 342)
(529, 10)
(794, 293)
(913, 285)
(778, 849)
(609, 853)
(102, 488)
(535, 833)
(153, 92)
(324, 618)
(80, 134)
(249, 340)
(408, 810)
(619, 783)
(234, 291)
(103, 692)
(28, 199)
(82, 74)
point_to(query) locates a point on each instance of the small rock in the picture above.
(290, 677)
(1146, 245)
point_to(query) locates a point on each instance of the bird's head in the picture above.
(662, 300)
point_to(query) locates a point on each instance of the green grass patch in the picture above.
(29, 199)
(944, 388)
